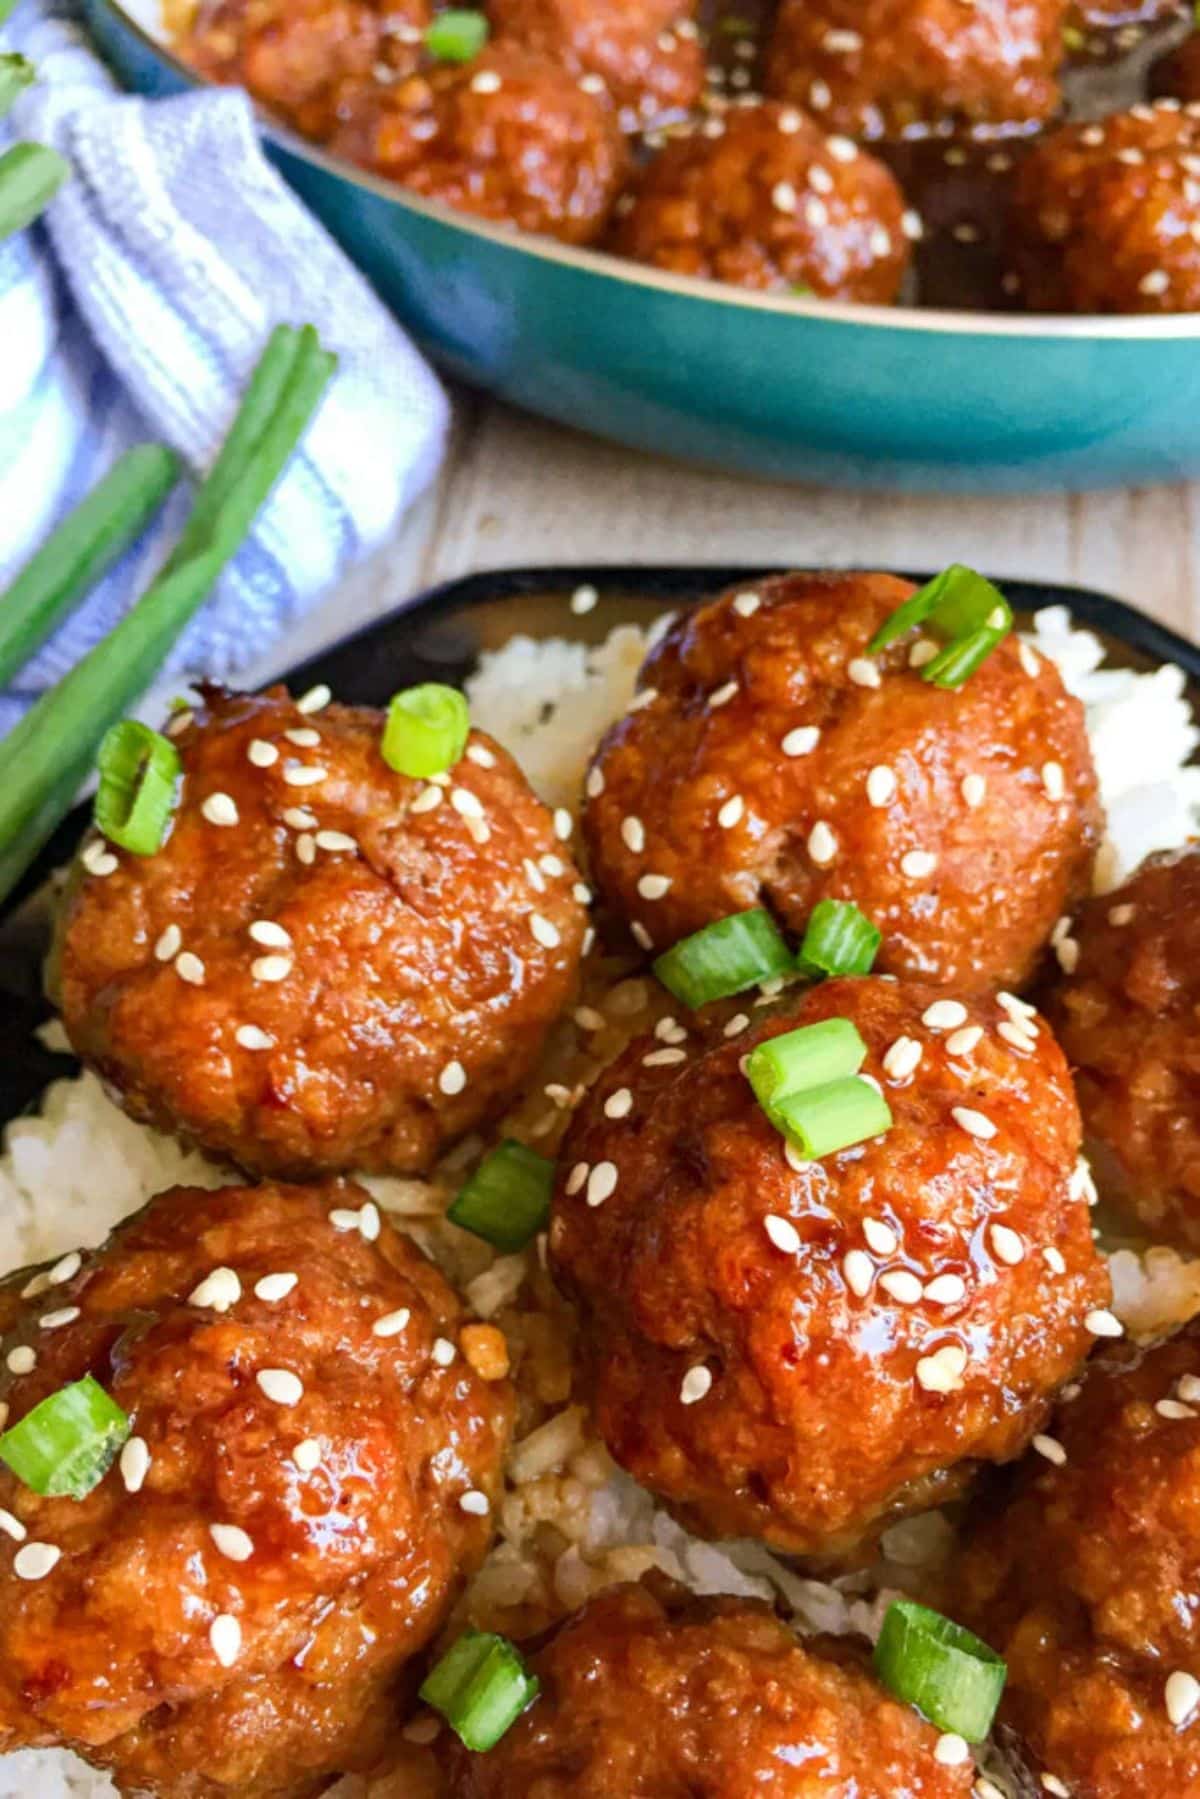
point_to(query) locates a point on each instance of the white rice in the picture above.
(69, 1174)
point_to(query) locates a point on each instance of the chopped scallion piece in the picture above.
(426, 731)
(822, 1120)
(481, 1686)
(958, 661)
(457, 35)
(65, 1446)
(942, 1669)
(139, 769)
(808, 1057)
(839, 939)
(724, 958)
(30, 176)
(507, 1199)
(956, 601)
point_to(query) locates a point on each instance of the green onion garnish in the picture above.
(81, 550)
(507, 1199)
(426, 731)
(481, 1686)
(936, 1665)
(139, 769)
(957, 661)
(807, 1057)
(953, 603)
(16, 74)
(822, 1120)
(839, 939)
(724, 958)
(30, 176)
(457, 35)
(6, 7)
(65, 1446)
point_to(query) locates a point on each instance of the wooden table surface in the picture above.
(515, 490)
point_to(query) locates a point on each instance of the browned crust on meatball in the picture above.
(647, 53)
(763, 199)
(354, 1563)
(410, 948)
(650, 1693)
(1082, 1577)
(1105, 217)
(824, 1420)
(730, 687)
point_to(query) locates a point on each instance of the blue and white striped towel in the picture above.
(137, 310)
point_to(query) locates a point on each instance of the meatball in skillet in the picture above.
(889, 68)
(1128, 1018)
(763, 199)
(1085, 1573)
(649, 1693)
(804, 1351)
(234, 1607)
(1105, 217)
(512, 136)
(326, 965)
(646, 53)
(768, 760)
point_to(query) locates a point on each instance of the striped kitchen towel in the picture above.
(136, 311)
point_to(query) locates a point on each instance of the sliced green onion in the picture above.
(481, 1686)
(6, 7)
(426, 731)
(507, 1199)
(457, 35)
(942, 1669)
(839, 939)
(951, 604)
(822, 1120)
(65, 1446)
(16, 74)
(958, 661)
(139, 769)
(808, 1057)
(81, 550)
(724, 958)
(30, 176)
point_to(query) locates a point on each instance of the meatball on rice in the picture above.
(1083, 1578)
(234, 1608)
(1105, 217)
(327, 965)
(646, 53)
(1128, 1017)
(511, 136)
(649, 1693)
(764, 199)
(768, 760)
(803, 1352)
(888, 68)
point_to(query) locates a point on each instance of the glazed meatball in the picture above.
(1106, 217)
(763, 199)
(804, 1351)
(1128, 1018)
(326, 966)
(1177, 74)
(234, 1608)
(768, 761)
(886, 68)
(651, 1694)
(646, 53)
(511, 136)
(1083, 1580)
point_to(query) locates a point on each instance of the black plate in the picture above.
(439, 637)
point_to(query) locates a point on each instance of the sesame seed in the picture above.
(633, 835)
(583, 600)
(12, 1526)
(1181, 1696)
(619, 1104)
(841, 43)
(731, 812)
(916, 864)
(881, 785)
(1121, 915)
(946, 1289)
(249, 1036)
(880, 1237)
(392, 1323)
(944, 1015)
(903, 1287)
(225, 1638)
(452, 1079)
(480, 755)
(601, 1183)
(475, 1504)
(273, 1287)
(654, 887)
(802, 741)
(942, 1371)
(822, 844)
(190, 968)
(782, 1233)
(21, 1360)
(912, 226)
(303, 739)
(66, 1269)
(1007, 1245)
(746, 604)
(789, 121)
(552, 865)
(486, 82)
(1051, 1448)
(335, 840)
(299, 818)
(134, 1464)
(169, 944)
(1029, 659)
(98, 859)
(1067, 951)
(863, 673)
(232, 1542)
(589, 84)
(923, 651)
(564, 824)
(299, 774)
(1188, 1388)
(443, 1352)
(280, 1386)
(737, 1024)
(902, 1059)
(641, 700)
(963, 1042)
(270, 934)
(582, 892)
(1054, 1259)
(1052, 1784)
(315, 700)
(1018, 1035)
(55, 1321)
(595, 783)
(1103, 1323)
(217, 1292)
(784, 197)
(859, 1272)
(819, 96)
(271, 968)
(428, 798)
(1174, 1410)
(973, 788)
(694, 1385)
(1053, 780)
(307, 1455)
(465, 803)
(723, 695)
(664, 1058)
(1016, 1008)
(38, 1285)
(880, 241)
(1156, 282)
(543, 931)
(33, 1561)
(951, 1750)
(262, 753)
